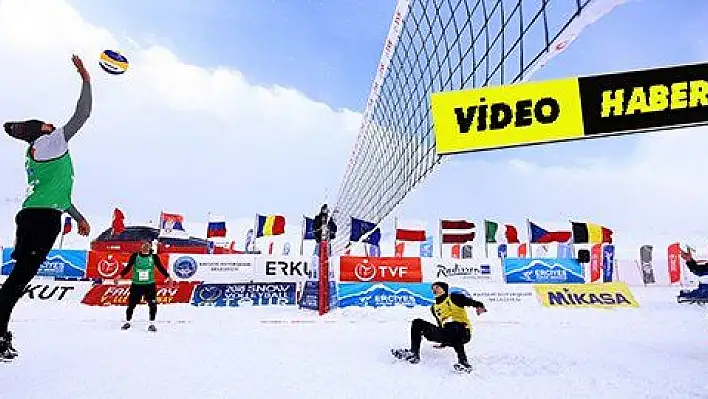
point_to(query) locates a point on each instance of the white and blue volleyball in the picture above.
(113, 62)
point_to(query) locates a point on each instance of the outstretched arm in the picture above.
(83, 106)
(130, 264)
(158, 264)
(84, 228)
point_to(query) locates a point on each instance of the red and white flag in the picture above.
(410, 235)
(457, 231)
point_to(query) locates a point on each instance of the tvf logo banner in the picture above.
(604, 295)
(379, 269)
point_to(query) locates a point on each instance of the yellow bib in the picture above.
(448, 311)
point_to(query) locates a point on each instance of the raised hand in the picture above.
(80, 67)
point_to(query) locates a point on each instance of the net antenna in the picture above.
(443, 45)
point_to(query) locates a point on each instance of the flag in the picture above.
(309, 233)
(172, 225)
(118, 225)
(493, 234)
(541, 235)
(249, 239)
(270, 225)
(216, 227)
(426, 248)
(591, 233)
(362, 227)
(410, 235)
(457, 231)
(67, 225)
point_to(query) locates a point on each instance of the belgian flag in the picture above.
(591, 233)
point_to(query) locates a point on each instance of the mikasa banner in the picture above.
(463, 270)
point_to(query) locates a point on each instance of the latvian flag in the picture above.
(457, 231)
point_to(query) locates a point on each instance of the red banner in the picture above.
(595, 263)
(107, 265)
(376, 269)
(522, 250)
(117, 295)
(674, 263)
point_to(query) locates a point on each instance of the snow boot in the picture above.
(152, 328)
(405, 354)
(8, 337)
(125, 326)
(462, 367)
(6, 355)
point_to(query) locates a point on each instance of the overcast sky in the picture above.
(238, 108)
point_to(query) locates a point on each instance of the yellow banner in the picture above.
(605, 295)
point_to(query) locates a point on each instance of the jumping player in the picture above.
(143, 284)
(50, 177)
(453, 326)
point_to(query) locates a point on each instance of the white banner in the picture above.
(221, 268)
(283, 269)
(462, 270)
(46, 291)
(500, 295)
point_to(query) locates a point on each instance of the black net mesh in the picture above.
(443, 45)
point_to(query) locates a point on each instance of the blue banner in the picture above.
(543, 271)
(244, 294)
(385, 294)
(310, 297)
(608, 261)
(502, 251)
(64, 263)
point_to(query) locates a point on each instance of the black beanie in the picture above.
(442, 285)
(27, 131)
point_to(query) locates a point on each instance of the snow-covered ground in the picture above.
(659, 350)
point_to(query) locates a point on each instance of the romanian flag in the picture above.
(270, 225)
(590, 233)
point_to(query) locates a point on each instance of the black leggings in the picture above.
(37, 230)
(451, 334)
(138, 292)
(695, 268)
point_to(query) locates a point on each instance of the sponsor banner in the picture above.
(108, 265)
(380, 269)
(245, 294)
(48, 291)
(454, 270)
(66, 263)
(496, 295)
(310, 297)
(385, 294)
(543, 271)
(603, 295)
(571, 108)
(117, 295)
(220, 268)
(284, 268)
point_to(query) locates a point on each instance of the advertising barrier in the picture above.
(500, 295)
(380, 269)
(603, 295)
(284, 268)
(117, 295)
(385, 294)
(543, 271)
(47, 291)
(108, 265)
(66, 263)
(226, 268)
(245, 294)
(463, 270)
(310, 296)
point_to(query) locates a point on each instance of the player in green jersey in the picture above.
(143, 284)
(50, 179)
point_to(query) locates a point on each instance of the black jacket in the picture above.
(317, 227)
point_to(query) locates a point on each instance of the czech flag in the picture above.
(540, 235)
(270, 225)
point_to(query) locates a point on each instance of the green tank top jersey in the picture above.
(144, 270)
(50, 183)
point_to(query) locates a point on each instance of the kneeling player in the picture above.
(143, 284)
(700, 270)
(453, 329)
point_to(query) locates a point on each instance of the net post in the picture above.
(323, 284)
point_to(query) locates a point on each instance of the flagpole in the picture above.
(255, 233)
(395, 232)
(302, 235)
(486, 243)
(441, 238)
(61, 240)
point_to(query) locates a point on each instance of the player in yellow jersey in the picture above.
(453, 326)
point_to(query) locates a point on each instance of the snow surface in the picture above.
(659, 350)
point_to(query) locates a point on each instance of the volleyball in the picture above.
(113, 62)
